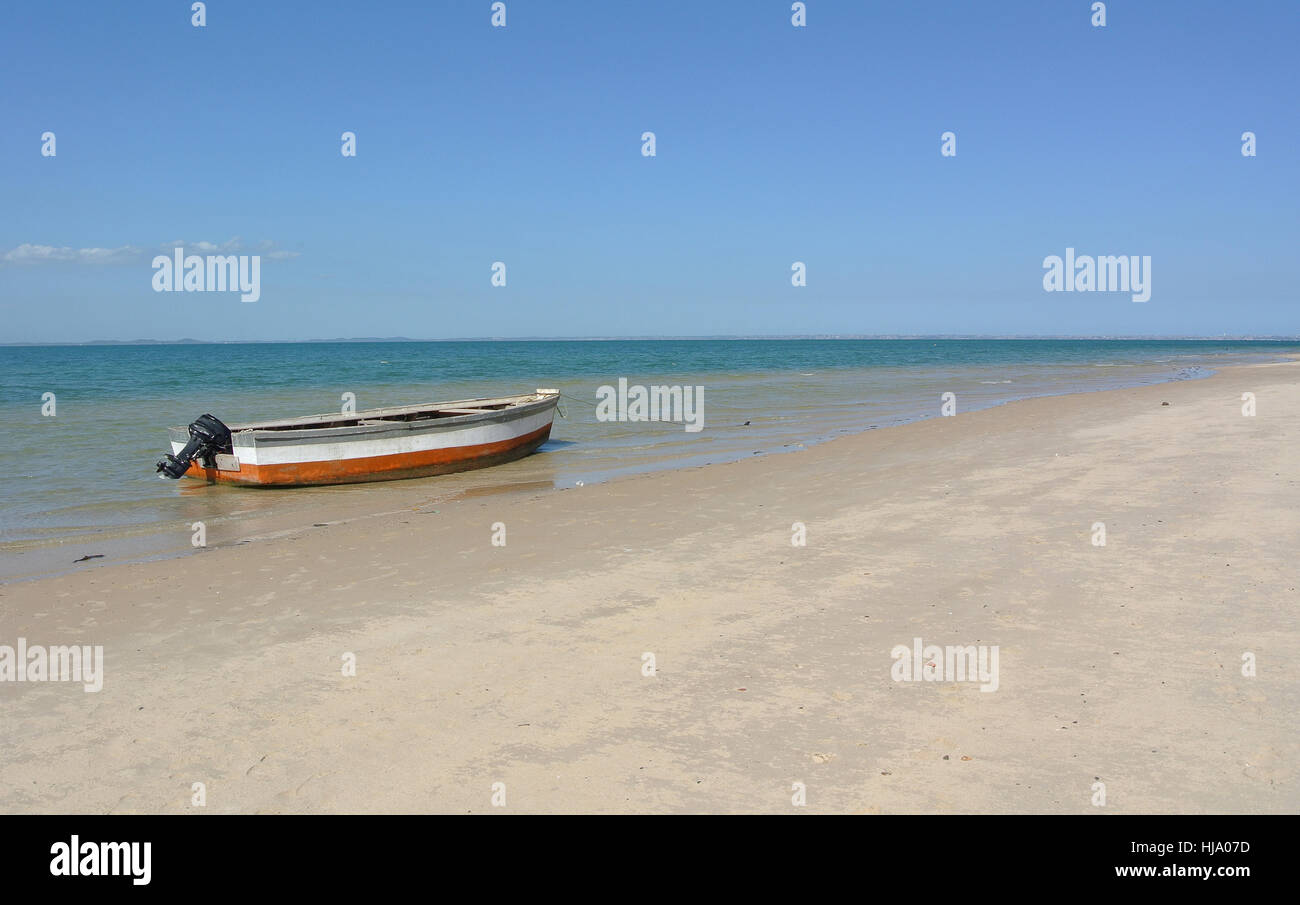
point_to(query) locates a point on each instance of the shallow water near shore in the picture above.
(82, 482)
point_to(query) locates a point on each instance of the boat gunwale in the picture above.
(305, 428)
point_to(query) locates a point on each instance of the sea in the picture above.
(77, 471)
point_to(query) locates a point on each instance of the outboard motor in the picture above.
(208, 436)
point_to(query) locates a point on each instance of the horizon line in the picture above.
(829, 337)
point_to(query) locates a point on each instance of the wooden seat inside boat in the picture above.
(423, 416)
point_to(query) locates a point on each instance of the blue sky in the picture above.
(775, 144)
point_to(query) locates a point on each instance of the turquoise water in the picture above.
(86, 475)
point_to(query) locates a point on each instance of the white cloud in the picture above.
(105, 255)
(204, 247)
(266, 248)
(28, 253)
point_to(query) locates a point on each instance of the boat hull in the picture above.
(378, 450)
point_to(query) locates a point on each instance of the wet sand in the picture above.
(523, 665)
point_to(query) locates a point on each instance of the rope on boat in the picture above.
(576, 399)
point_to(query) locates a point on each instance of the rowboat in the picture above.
(411, 441)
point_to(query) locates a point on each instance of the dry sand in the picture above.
(522, 664)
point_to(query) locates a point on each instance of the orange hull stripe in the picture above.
(377, 468)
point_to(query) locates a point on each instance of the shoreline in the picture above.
(156, 542)
(523, 663)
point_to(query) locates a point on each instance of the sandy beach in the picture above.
(525, 665)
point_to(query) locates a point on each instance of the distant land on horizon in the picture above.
(745, 337)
